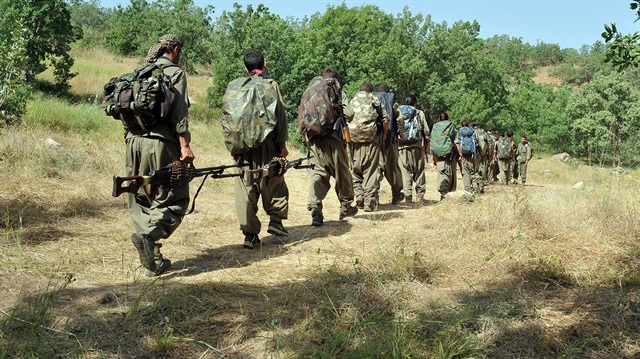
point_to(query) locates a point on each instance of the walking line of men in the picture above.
(387, 141)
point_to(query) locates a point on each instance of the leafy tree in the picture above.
(133, 29)
(92, 19)
(14, 92)
(50, 33)
(538, 112)
(239, 31)
(604, 116)
(581, 68)
(624, 50)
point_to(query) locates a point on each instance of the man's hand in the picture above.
(284, 152)
(186, 155)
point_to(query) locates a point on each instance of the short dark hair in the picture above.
(254, 60)
(366, 86)
(491, 128)
(383, 88)
(329, 73)
(501, 134)
(475, 124)
(525, 137)
(411, 100)
(510, 134)
(444, 116)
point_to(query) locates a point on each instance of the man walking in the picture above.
(157, 211)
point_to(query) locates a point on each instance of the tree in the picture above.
(605, 114)
(239, 31)
(50, 34)
(135, 28)
(624, 50)
(14, 92)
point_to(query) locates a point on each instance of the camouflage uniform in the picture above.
(483, 158)
(274, 191)
(389, 165)
(413, 160)
(160, 212)
(524, 155)
(365, 128)
(494, 169)
(446, 167)
(504, 164)
(470, 165)
(330, 159)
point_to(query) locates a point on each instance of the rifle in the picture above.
(172, 175)
(341, 126)
(276, 168)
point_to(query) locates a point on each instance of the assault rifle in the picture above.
(277, 167)
(179, 173)
(341, 126)
(173, 174)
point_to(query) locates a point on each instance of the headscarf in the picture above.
(165, 42)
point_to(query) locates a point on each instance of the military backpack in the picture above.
(441, 143)
(412, 130)
(139, 99)
(467, 138)
(483, 141)
(320, 107)
(248, 112)
(504, 148)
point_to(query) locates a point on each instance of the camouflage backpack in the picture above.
(441, 143)
(483, 141)
(504, 148)
(319, 107)
(366, 122)
(248, 112)
(140, 98)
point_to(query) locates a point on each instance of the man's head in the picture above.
(510, 134)
(501, 134)
(444, 116)
(491, 130)
(168, 45)
(329, 73)
(411, 100)
(366, 86)
(523, 139)
(383, 88)
(475, 124)
(254, 60)
(464, 123)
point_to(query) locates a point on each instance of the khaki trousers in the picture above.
(160, 212)
(412, 160)
(365, 175)
(331, 160)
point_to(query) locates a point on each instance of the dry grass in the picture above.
(534, 272)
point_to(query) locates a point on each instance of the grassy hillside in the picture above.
(521, 272)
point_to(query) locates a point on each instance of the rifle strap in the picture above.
(193, 203)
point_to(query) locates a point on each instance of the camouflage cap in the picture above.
(169, 40)
(155, 51)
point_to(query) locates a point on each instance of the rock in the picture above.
(578, 185)
(561, 157)
(51, 143)
(106, 297)
(459, 196)
(617, 171)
